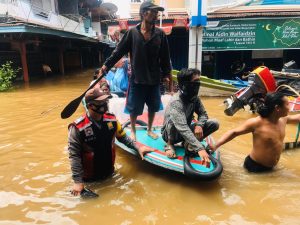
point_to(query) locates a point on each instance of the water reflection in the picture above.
(35, 177)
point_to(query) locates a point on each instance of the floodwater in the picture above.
(35, 178)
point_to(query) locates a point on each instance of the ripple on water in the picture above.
(13, 222)
(204, 219)
(51, 217)
(232, 220)
(126, 222)
(128, 208)
(52, 178)
(5, 145)
(238, 219)
(231, 198)
(13, 198)
(116, 202)
(37, 190)
(151, 219)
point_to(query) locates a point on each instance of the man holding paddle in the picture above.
(91, 143)
(150, 62)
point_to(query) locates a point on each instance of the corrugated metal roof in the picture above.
(28, 28)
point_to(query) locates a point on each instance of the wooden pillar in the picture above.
(24, 61)
(81, 58)
(61, 61)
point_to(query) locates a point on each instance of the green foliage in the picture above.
(7, 74)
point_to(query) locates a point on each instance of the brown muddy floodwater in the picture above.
(35, 178)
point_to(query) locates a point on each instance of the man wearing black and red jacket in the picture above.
(91, 141)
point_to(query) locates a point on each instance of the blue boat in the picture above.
(191, 166)
(236, 83)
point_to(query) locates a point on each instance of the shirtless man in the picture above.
(268, 130)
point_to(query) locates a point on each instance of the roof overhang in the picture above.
(22, 28)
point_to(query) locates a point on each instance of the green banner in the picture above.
(252, 34)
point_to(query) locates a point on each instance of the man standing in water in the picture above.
(268, 130)
(179, 114)
(150, 61)
(91, 141)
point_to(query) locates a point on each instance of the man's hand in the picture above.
(77, 188)
(205, 157)
(144, 150)
(166, 79)
(103, 69)
(198, 132)
(212, 147)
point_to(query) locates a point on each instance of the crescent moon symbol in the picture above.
(268, 27)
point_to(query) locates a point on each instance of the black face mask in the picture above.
(100, 108)
(189, 90)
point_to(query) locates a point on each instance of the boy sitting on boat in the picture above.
(179, 114)
(268, 130)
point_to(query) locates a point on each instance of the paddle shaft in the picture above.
(73, 105)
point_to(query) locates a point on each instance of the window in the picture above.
(265, 54)
(41, 7)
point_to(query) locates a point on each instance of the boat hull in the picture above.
(207, 91)
(158, 156)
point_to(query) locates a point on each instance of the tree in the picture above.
(7, 74)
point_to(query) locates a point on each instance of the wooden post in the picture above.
(61, 61)
(81, 59)
(24, 61)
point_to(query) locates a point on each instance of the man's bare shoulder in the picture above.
(254, 121)
(248, 126)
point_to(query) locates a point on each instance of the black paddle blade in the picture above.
(73, 105)
(87, 193)
(71, 108)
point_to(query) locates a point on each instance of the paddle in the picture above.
(73, 105)
(87, 193)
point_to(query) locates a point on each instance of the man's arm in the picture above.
(165, 60)
(122, 48)
(245, 128)
(128, 142)
(74, 148)
(293, 119)
(201, 112)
